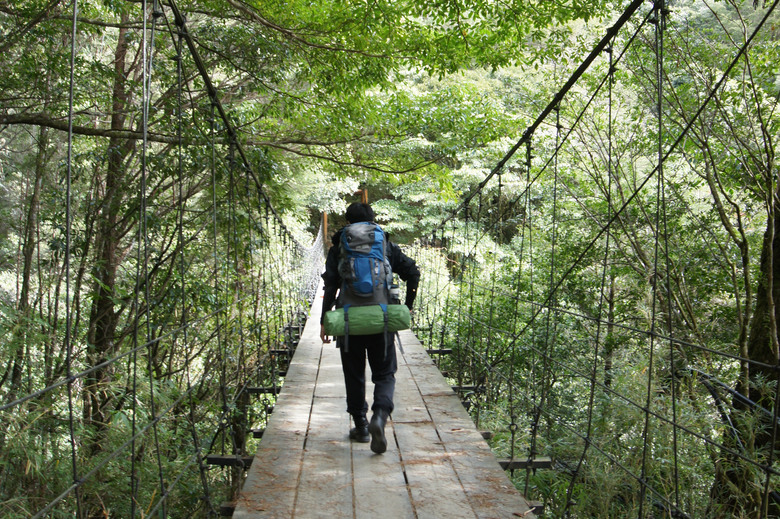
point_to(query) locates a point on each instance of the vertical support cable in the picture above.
(147, 42)
(529, 218)
(68, 221)
(182, 266)
(657, 20)
(217, 291)
(550, 326)
(604, 270)
(668, 277)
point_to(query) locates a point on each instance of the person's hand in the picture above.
(325, 338)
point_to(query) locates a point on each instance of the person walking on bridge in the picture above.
(354, 349)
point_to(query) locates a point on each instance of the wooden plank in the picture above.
(379, 482)
(488, 490)
(270, 486)
(409, 405)
(330, 378)
(539, 462)
(433, 483)
(326, 475)
(243, 462)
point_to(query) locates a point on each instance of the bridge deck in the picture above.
(437, 464)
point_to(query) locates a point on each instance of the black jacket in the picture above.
(401, 264)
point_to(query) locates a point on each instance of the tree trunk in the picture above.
(103, 315)
(736, 491)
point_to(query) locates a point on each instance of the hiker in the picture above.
(379, 348)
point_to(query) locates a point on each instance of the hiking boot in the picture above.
(377, 430)
(359, 433)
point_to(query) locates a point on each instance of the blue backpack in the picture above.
(363, 266)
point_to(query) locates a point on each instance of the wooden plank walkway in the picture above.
(436, 465)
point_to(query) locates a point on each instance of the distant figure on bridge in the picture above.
(355, 348)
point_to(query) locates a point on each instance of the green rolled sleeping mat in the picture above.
(367, 320)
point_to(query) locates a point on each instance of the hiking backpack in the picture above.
(363, 266)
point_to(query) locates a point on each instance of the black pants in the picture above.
(383, 369)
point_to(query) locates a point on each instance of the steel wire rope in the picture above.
(550, 331)
(441, 258)
(655, 275)
(434, 260)
(220, 309)
(227, 407)
(274, 312)
(255, 281)
(68, 222)
(583, 374)
(216, 273)
(243, 379)
(617, 214)
(428, 316)
(673, 147)
(475, 375)
(465, 370)
(600, 46)
(107, 362)
(576, 120)
(531, 263)
(277, 287)
(229, 127)
(233, 322)
(660, 49)
(530, 183)
(493, 278)
(197, 456)
(608, 390)
(513, 426)
(677, 341)
(493, 258)
(113, 455)
(147, 57)
(605, 267)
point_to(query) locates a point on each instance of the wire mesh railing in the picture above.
(602, 315)
(168, 283)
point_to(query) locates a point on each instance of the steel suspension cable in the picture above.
(531, 285)
(605, 267)
(549, 325)
(68, 238)
(576, 121)
(598, 49)
(148, 57)
(184, 321)
(660, 75)
(671, 149)
(660, 14)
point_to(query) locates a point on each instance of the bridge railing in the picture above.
(594, 299)
(160, 295)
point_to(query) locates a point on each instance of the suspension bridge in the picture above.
(571, 355)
